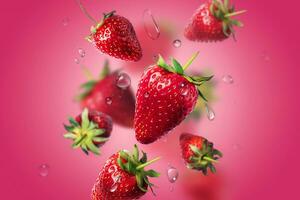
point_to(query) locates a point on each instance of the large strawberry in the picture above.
(198, 152)
(89, 130)
(213, 22)
(106, 96)
(165, 96)
(114, 35)
(124, 177)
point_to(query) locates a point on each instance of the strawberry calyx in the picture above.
(180, 70)
(133, 164)
(84, 135)
(98, 25)
(223, 11)
(204, 158)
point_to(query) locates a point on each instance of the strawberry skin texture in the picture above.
(126, 189)
(116, 37)
(204, 26)
(186, 140)
(161, 105)
(122, 106)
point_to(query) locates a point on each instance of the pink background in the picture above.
(257, 117)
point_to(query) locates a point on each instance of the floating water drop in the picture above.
(227, 79)
(150, 25)
(43, 170)
(184, 91)
(112, 169)
(146, 95)
(65, 21)
(210, 113)
(177, 43)
(172, 174)
(108, 100)
(81, 52)
(76, 60)
(123, 81)
(236, 147)
(265, 56)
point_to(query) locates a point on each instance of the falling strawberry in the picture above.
(114, 35)
(124, 177)
(198, 152)
(165, 96)
(89, 130)
(213, 22)
(106, 96)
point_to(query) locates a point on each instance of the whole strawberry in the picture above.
(89, 130)
(165, 96)
(106, 96)
(198, 152)
(114, 35)
(213, 22)
(123, 177)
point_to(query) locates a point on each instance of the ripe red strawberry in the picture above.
(213, 22)
(114, 35)
(123, 177)
(165, 96)
(89, 131)
(198, 152)
(105, 96)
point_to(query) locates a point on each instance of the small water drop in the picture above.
(81, 52)
(172, 174)
(146, 95)
(114, 188)
(177, 43)
(76, 60)
(184, 91)
(236, 147)
(108, 100)
(150, 25)
(123, 81)
(65, 21)
(43, 170)
(210, 113)
(227, 79)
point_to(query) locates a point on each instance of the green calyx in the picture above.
(180, 70)
(98, 25)
(85, 135)
(204, 158)
(133, 164)
(223, 11)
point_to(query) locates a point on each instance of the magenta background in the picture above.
(259, 112)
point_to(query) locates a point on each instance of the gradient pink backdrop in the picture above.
(257, 117)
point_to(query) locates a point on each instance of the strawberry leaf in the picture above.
(177, 66)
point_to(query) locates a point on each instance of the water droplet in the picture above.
(65, 21)
(114, 187)
(184, 91)
(265, 56)
(146, 95)
(150, 25)
(76, 60)
(43, 170)
(210, 113)
(81, 52)
(172, 174)
(177, 43)
(227, 79)
(108, 100)
(123, 81)
(236, 147)
(112, 169)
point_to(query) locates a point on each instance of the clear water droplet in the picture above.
(172, 174)
(146, 95)
(123, 81)
(150, 25)
(177, 43)
(210, 113)
(65, 21)
(227, 79)
(43, 170)
(81, 52)
(114, 188)
(76, 60)
(184, 91)
(108, 100)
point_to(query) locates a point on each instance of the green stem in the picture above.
(189, 62)
(235, 13)
(79, 141)
(85, 12)
(147, 163)
(209, 159)
(88, 74)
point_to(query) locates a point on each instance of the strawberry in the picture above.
(105, 96)
(89, 130)
(213, 22)
(165, 96)
(114, 35)
(124, 177)
(198, 152)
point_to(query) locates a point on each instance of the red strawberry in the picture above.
(123, 177)
(114, 35)
(213, 22)
(198, 152)
(89, 130)
(105, 96)
(165, 96)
